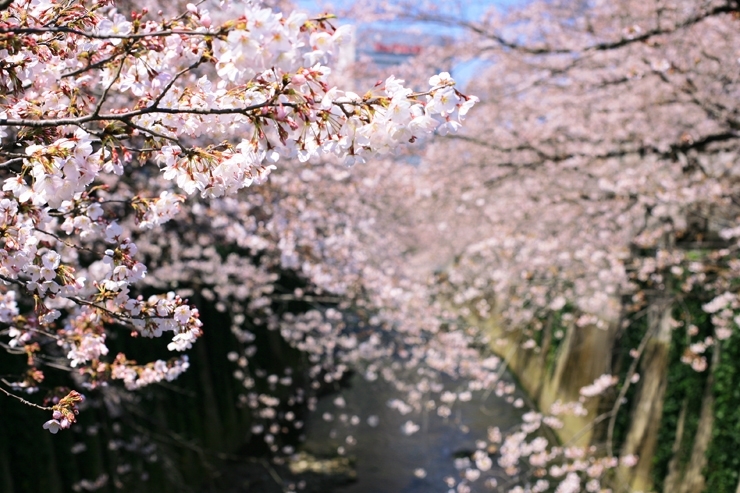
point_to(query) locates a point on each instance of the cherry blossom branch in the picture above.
(590, 426)
(22, 400)
(112, 82)
(42, 332)
(730, 7)
(132, 36)
(69, 243)
(141, 76)
(125, 117)
(171, 83)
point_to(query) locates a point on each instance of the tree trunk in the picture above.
(642, 436)
(673, 476)
(693, 480)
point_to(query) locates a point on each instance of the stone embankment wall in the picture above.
(667, 418)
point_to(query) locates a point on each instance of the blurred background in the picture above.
(378, 328)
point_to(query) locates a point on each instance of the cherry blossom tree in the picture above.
(594, 191)
(591, 201)
(110, 127)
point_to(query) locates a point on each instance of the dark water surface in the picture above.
(386, 458)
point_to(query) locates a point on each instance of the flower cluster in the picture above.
(97, 107)
(135, 376)
(64, 412)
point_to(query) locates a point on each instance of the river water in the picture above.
(386, 458)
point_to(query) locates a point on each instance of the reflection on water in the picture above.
(386, 458)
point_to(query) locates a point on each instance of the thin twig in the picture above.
(24, 401)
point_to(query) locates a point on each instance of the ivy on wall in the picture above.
(684, 394)
(723, 465)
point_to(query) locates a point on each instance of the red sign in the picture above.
(397, 48)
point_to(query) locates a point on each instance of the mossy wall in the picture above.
(683, 424)
(558, 368)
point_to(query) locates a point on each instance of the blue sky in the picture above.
(471, 10)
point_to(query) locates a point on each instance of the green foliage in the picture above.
(697, 255)
(629, 339)
(558, 329)
(685, 389)
(723, 465)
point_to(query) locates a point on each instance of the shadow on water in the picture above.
(386, 458)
